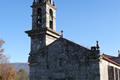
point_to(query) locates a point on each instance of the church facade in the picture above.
(53, 57)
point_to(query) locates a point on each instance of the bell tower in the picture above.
(43, 30)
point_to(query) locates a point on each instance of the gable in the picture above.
(65, 48)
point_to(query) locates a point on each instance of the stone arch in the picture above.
(51, 18)
(39, 16)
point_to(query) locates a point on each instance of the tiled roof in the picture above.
(111, 59)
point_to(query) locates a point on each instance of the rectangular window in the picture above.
(116, 73)
(110, 73)
(113, 73)
(51, 24)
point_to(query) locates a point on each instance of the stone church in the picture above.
(53, 57)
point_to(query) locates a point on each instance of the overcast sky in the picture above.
(83, 21)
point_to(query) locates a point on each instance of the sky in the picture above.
(83, 22)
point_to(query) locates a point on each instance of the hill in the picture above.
(19, 66)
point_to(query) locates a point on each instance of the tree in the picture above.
(7, 71)
(3, 58)
(22, 75)
(1, 44)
